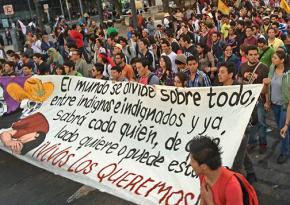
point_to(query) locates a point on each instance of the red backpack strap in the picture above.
(226, 176)
(249, 193)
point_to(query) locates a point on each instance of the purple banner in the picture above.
(4, 82)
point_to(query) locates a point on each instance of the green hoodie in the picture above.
(285, 86)
(266, 56)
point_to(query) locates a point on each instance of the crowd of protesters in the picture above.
(196, 47)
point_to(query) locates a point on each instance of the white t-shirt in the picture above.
(166, 22)
(36, 46)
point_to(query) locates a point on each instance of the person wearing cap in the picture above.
(180, 62)
(26, 134)
(117, 49)
(145, 33)
(266, 25)
(265, 52)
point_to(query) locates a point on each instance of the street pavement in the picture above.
(273, 186)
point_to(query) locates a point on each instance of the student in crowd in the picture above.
(278, 85)
(164, 72)
(69, 68)
(146, 77)
(117, 76)
(205, 160)
(253, 72)
(27, 70)
(97, 72)
(59, 70)
(180, 80)
(197, 77)
(42, 66)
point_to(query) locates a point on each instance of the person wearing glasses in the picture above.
(97, 72)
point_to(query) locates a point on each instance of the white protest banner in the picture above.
(124, 138)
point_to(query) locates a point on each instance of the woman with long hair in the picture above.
(231, 40)
(278, 85)
(180, 80)
(229, 56)
(206, 61)
(99, 48)
(164, 73)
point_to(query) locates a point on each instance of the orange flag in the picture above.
(222, 7)
(284, 5)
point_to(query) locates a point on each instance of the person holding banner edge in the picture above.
(226, 76)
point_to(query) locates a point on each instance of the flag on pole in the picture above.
(223, 8)
(284, 5)
(23, 27)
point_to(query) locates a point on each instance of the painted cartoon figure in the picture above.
(3, 105)
(26, 134)
(29, 107)
(31, 95)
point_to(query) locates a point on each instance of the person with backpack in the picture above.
(218, 185)
(197, 77)
(146, 77)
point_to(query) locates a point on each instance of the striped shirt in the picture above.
(200, 80)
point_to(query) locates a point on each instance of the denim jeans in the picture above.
(280, 117)
(260, 128)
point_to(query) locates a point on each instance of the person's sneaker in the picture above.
(262, 148)
(251, 148)
(251, 177)
(282, 159)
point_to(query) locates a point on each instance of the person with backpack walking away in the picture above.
(218, 185)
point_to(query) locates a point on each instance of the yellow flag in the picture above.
(222, 7)
(284, 5)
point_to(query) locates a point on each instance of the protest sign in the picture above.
(123, 138)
